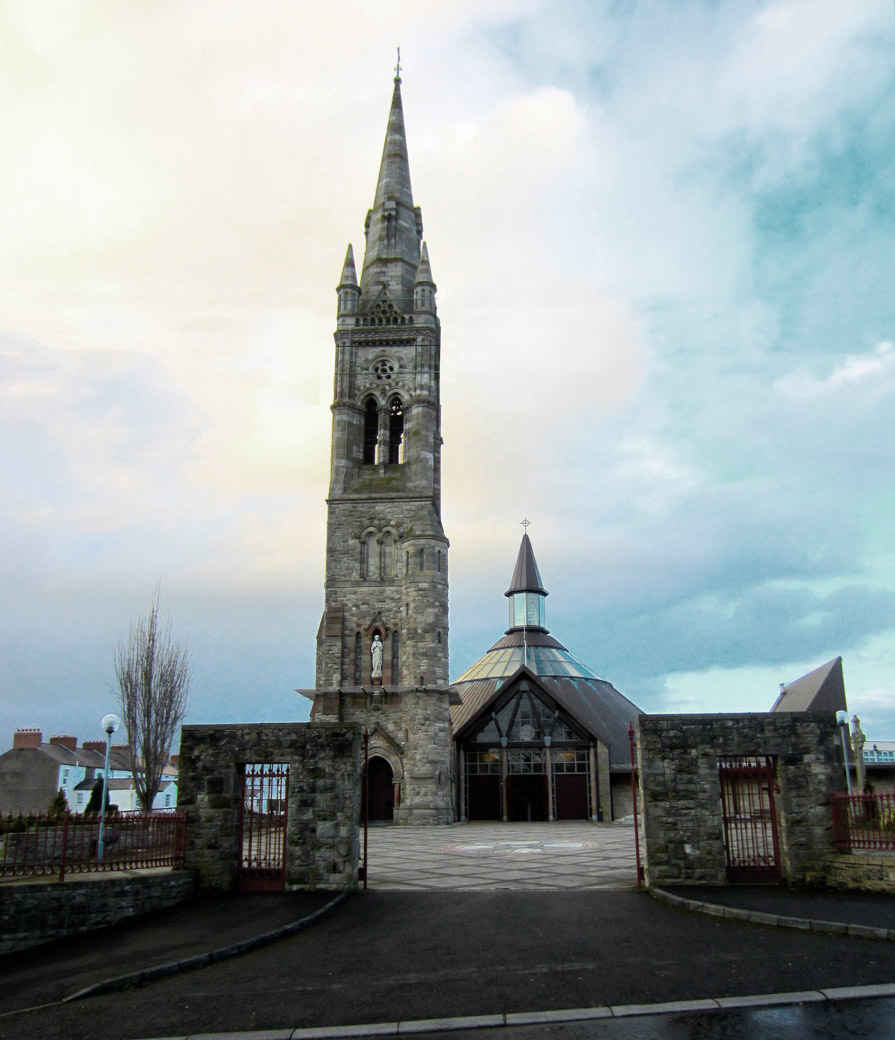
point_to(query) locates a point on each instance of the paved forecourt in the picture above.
(468, 856)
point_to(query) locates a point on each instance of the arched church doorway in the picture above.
(380, 790)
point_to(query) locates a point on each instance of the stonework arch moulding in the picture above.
(384, 746)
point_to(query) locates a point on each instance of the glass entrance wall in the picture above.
(570, 777)
(527, 784)
(527, 759)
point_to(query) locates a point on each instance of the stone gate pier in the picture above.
(323, 804)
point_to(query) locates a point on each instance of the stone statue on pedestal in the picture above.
(376, 658)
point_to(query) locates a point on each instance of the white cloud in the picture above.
(627, 360)
(872, 373)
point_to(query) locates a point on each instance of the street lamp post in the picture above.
(110, 723)
(842, 719)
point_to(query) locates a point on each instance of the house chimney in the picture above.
(67, 741)
(120, 749)
(99, 746)
(27, 738)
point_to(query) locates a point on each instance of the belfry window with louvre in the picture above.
(395, 430)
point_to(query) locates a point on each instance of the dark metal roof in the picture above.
(594, 703)
(820, 690)
(526, 576)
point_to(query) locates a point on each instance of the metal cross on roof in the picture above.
(526, 524)
(398, 68)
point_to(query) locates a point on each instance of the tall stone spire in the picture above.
(382, 645)
(394, 226)
(387, 553)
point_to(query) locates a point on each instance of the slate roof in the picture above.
(81, 756)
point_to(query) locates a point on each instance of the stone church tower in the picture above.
(382, 646)
(386, 551)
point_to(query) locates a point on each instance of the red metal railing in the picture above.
(34, 845)
(863, 821)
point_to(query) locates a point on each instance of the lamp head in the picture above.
(110, 723)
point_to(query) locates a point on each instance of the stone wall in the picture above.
(678, 758)
(868, 871)
(622, 800)
(411, 729)
(33, 912)
(324, 763)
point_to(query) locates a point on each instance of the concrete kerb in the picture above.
(859, 931)
(445, 1025)
(202, 960)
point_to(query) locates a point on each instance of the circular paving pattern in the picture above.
(519, 848)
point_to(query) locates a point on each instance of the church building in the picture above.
(526, 733)
(538, 735)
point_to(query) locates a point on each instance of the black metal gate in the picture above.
(750, 819)
(262, 828)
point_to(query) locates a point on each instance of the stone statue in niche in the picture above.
(376, 657)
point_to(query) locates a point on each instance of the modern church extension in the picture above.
(526, 733)
(538, 735)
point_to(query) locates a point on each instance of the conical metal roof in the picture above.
(526, 576)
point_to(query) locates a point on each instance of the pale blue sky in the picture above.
(663, 240)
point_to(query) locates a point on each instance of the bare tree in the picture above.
(153, 671)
